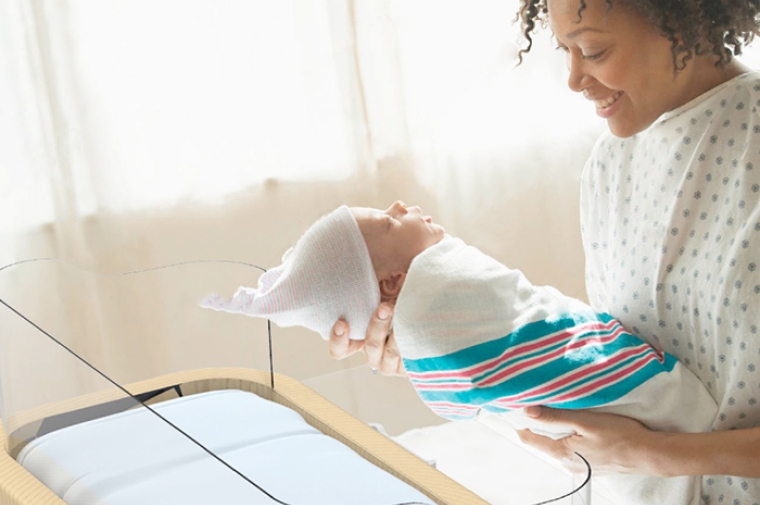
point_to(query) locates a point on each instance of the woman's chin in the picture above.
(624, 129)
(623, 124)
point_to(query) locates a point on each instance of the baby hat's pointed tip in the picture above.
(240, 301)
(212, 301)
(326, 276)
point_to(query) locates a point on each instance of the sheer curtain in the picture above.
(119, 109)
(140, 133)
(122, 118)
(113, 107)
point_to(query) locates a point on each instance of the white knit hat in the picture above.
(327, 276)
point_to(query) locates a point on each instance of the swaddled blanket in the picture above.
(477, 337)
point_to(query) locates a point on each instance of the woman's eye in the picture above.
(592, 57)
(561, 48)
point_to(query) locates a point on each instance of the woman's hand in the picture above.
(379, 345)
(610, 443)
(619, 444)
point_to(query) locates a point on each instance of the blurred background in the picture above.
(135, 134)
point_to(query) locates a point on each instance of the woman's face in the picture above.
(621, 63)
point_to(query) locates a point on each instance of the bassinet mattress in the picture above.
(135, 458)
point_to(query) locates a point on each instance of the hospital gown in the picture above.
(671, 228)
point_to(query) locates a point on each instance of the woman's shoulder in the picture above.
(724, 118)
(738, 96)
(747, 80)
(734, 101)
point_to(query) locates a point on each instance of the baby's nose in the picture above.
(399, 206)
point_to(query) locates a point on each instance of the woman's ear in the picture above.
(391, 284)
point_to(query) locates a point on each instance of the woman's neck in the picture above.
(704, 75)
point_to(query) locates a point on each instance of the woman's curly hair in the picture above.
(693, 27)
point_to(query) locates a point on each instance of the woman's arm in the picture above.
(622, 445)
(379, 344)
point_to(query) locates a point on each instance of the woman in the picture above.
(670, 224)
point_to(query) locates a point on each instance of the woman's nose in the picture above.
(577, 80)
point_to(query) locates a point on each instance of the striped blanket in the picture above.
(574, 361)
(476, 336)
(477, 339)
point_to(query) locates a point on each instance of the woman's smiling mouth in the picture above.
(607, 102)
(606, 107)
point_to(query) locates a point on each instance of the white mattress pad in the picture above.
(134, 457)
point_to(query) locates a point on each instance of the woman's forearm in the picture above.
(733, 452)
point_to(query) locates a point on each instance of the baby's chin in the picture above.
(434, 239)
(439, 232)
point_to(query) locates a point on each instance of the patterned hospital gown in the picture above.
(671, 230)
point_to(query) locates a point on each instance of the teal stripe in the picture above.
(590, 353)
(479, 353)
(619, 389)
(482, 397)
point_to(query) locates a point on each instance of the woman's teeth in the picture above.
(602, 104)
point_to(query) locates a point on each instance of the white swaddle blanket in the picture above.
(477, 337)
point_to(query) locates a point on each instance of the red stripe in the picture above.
(543, 359)
(585, 371)
(519, 367)
(604, 381)
(520, 349)
(453, 406)
(514, 352)
(583, 391)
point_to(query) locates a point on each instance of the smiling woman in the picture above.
(625, 65)
(670, 212)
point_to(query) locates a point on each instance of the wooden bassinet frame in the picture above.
(19, 487)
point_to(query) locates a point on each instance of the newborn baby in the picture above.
(476, 337)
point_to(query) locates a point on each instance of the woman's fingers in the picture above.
(392, 363)
(611, 443)
(377, 335)
(379, 344)
(571, 420)
(585, 423)
(555, 420)
(557, 449)
(340, 345)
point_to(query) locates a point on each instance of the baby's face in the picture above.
(396, 235)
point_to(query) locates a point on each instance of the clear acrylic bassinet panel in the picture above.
(65, 329)
(78, 346)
